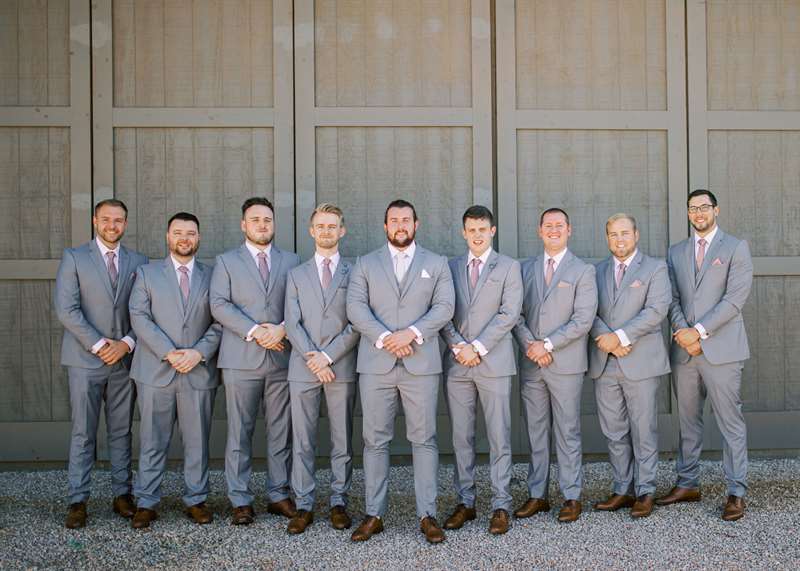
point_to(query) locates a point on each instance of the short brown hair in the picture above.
(621, 216)
(326, 208)
(111, 202)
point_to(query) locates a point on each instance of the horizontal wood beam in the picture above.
(28, 269)
(393, 117)
(776, 266)
(36, 116)
(593, 120)
(174, 117)
(753, 120)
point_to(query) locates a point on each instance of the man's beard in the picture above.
(260, 241)
(192, 250)
(401, 244)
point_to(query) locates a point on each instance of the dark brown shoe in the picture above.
(615, 502)
(300, 522)
(339, 518)
(143, 517)
(433, 533)
(734, 508)
(678, 494)
(369, 527)
(532, 507)
(461, 515)
(200, 514)
(570, 511)
(125, 505)
(76, 516)
(243, 515)
(284, 507)
(643, 506)
(499, 524)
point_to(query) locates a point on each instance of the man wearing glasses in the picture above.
(711, 274)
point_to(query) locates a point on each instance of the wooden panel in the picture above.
(392, 53)
(584, 54)
(34, 192)
(208, 172)
(755, 177)
(753, 54)
(201, 53)
(363, 169)
(34, 52)
(591, 175)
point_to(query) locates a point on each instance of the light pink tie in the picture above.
(184, 283)
(551, 269)
(701, 252)
(620, 274)
(112, 270)
(263, 268)
(474, 273)
(326, 274)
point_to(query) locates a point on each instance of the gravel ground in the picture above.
(688, 536)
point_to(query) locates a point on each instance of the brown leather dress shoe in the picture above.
(734, 508)
(615, 502)
(678, 494)
(243, 515)
(433, 533)
(301, 520)
(200, 514)
(339, 518)
(643, 506)
(459, 517)
(76, 516)
(369, 527)
(500, 522)
(143, 517)
(570, 511)
(124, 505)
(532, 507)
(284, 507)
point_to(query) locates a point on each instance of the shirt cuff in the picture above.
(250, 333)
(379, 342)
(701, 330)
(130, 343)
(623, 338)
(328, 357)
(480, 348)
(99, 345)
(457, 349)
(419, 338)
(548, 345)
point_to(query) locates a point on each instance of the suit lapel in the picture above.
(195, 286)
(313, 280)
(716, 244)
(122, 275)
(250, 265)
(609, 281)
(565, 261)
(102, 269)
(388, 267)
(538, 276)
(490, 265)
(276, 259)
(630, 273)
(460, 282)
(413, 271)
(174, 287)
(341, 271)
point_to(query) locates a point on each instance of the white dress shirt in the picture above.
(548, 345)
(621, 335)
(103, 251)
(319, 259)
(189, 266)
(394, 252)
(254, 252)
(708, 238)
(479, 347)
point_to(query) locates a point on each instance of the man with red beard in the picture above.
(398, 299)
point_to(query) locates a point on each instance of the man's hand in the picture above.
(270, 336)
(686, 336)
(694, 349)
(184, 360)
(545, 361)
(622, 351)
(607, 342)
(399, 340)
(113, 351)
(406, 351)
(316, 361)
(536, 351)
(468, 356)
(326, 375)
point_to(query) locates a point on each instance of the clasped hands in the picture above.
(400, 343)
(610, 343)
(183, 360)
(689, 339)
(113, 351)
(538, 354)
(270, 336)
(466, 355)
(319, 365)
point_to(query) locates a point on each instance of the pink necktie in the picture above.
(474, 273)
(701, 252)
(263, 268)
(326, 274)
(184, 283)
(620, 274)
(112, 269)
(548, 275)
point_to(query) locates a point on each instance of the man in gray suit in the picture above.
(322, 360)
(175, 369)
(480, 365)
(559, 306)
(711, 274)
(247, 298)
(399, 298)
(91, 300)
(626, 360)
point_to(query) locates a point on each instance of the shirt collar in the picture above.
(558, 257)
(255, 251)
(105, 249)
(408, 251)
(334, 260)
(176, 264)
(627, 261)
(483, 257)
(708, 237)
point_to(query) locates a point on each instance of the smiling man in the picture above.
(558, 308)
(711, 274)
(400, 296)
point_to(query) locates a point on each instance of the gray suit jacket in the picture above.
(376, 303)
(88, 307)
(713, 296)
(239, 301)
(638, 307)
(563, 312)
(317, 321)
(487, 314)
(162, 324)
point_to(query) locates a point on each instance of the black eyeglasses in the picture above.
(702, 208)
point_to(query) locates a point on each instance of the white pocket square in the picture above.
(636, 283)
(716, 262)
(425, 274)
(564, 284)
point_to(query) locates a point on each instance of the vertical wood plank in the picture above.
(33, 54)
(435, 72)
(468, 35)
(178, 54)
(10, 352)
(284, 128)
(58, 68)
(35, 333)
(149, 42)
(407, 53)
(350, 52)
(10, 207)
(236, 50)
(9, 53)
(207, 62)
(33, 192)
(380, 29)
(261, 53)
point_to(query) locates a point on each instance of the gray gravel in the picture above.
(689, 536)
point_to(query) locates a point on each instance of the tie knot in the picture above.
(476, 262)
(326, 262)
(262, 256)
(702, 242)
(110, 256)
(183, 269)
(551, 261)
